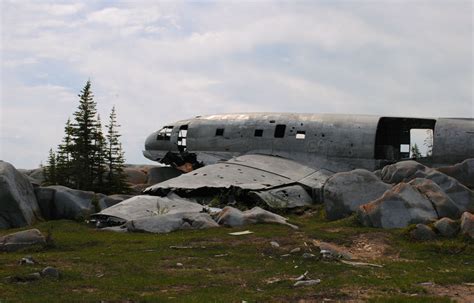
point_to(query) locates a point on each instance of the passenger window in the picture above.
(280, 130)
(300, 135)
(219, 132)
(258, 133)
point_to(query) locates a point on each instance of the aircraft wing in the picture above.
(279, 182)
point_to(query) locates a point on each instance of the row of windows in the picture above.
(279, 132)
(165, 133)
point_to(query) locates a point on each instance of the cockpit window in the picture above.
(164, 134)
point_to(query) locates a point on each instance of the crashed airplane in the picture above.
(284, 159)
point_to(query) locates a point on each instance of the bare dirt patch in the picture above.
(371, 246)
(459, 293)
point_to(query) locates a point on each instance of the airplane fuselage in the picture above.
(331, 141)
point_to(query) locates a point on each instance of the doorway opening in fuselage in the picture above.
(401, 138)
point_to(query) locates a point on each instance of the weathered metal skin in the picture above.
(285, 159)
(334, 142)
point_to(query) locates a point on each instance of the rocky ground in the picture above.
(405, 232)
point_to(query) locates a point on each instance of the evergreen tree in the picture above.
(116, 178)
(415, 152)
(64, 158)
(84, 133)
(99, 157)
(49, 171)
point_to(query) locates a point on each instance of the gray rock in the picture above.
(446, 227)
(50, 272)
(406, 171)
(399, 207)
(171, 222)
(73, 204)
(403, 171)
(345, 192)
(45, 198)
(422, 232)
(467, 224)
(442, 203)
(230, 216)
(463, 172)
(21, 240)
(160, 174)
(18, 205)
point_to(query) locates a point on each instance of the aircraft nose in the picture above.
(150, 142)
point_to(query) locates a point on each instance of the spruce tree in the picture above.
(415, 152)
(84, 132)
(64, 158)
(49, 171)
(98, 166)
(116, 178)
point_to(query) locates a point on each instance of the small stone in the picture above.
(274, 244)
(467, 224)
(446, 227)
(295, 250)
(179, 264)
(27, 260)
(307, 283)
(308, 256)
(422, 232)
(50, 272)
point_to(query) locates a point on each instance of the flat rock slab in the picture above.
(21, 240)
(230, 216)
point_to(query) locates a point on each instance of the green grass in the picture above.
(98, 265)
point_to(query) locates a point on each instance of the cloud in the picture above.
(164, 62)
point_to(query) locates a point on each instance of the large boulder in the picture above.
(403, 171)
(463, 172)
(467, 224)
(18, 205)
(22, 239)
(406, 171)
(71, 203)
(345, 192)
(113, 200)
(171, 222)
(399, 207)
(230, 216)
(442, 203)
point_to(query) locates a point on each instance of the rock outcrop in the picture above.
(21, 240)
(345, 192)
(18, 205)
(230, 216)
(399, 207)
(467, 224)
(463, 172)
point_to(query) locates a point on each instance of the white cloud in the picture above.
(165, 62)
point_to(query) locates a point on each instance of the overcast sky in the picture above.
(161, 62)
